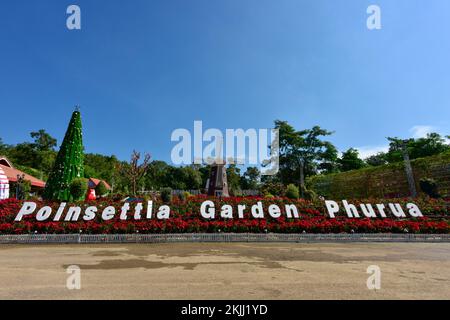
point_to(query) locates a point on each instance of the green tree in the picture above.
(78, 188)
(250, 179)
(68, 164)
(24, 154)
(181, 178)
(43, 141)
(234, 179)
(292, 191)
(157, 172)
(39, 155)
(100, 189)
(303, 152)
(378, 159)
(350, 160)
(274, 188)
(166, 195)
(204, 171)
(192, 177)
(100, 166)
(4, 148)
(430, 145)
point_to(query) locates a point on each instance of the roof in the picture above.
(12, 173)
(4, 161)
(97, 181)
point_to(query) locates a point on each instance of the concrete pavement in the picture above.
(226, 271)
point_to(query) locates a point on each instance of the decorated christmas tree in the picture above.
(68, 164)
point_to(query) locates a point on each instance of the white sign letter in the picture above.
(27, 208)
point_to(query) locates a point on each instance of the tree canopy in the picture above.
(306, 150)
(350, 160)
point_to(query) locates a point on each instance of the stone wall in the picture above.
(383, 181)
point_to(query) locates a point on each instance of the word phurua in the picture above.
(208, 210)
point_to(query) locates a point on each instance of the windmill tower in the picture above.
(217, 184)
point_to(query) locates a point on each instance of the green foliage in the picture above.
(78, 188)
(376, 160)
(166, 195)
(3, 147)
(350, 160)
(292, 191)
(236, 192)
(100, 166)
(309, 147)
(234, 179)
(309, 194)
(183, 196)
(273, 188)
(43, 141)
(101, 190)
(31, 171)
(250, 179)
(430, 145)
(25, 188)
(429, 187)
(382, 181)
(69, 162)
(161, 175)
(39, 155)
(305, 147)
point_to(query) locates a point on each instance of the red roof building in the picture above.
(93, 183)
(11, 173)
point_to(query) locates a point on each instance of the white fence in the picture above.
(219, 237)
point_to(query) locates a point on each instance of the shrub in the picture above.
(166, 195)
(292, 191)
(236, 192)
(429, 187)
(101, 189)
(78, 188)
(309, 194)
(274, 188)
(26, 188)
(184, 196)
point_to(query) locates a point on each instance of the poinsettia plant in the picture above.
(185, 218)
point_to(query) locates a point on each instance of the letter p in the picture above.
(332, 207)
(27, 208)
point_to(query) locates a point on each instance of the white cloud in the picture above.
(421, 131)
(367, 151)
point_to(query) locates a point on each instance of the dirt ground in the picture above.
(226, 271)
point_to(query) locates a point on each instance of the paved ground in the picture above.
(226, 271)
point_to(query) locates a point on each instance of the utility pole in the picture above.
(408, 169)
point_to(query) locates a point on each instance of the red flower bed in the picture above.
(185, 218)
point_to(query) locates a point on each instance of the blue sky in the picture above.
(140, 69)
